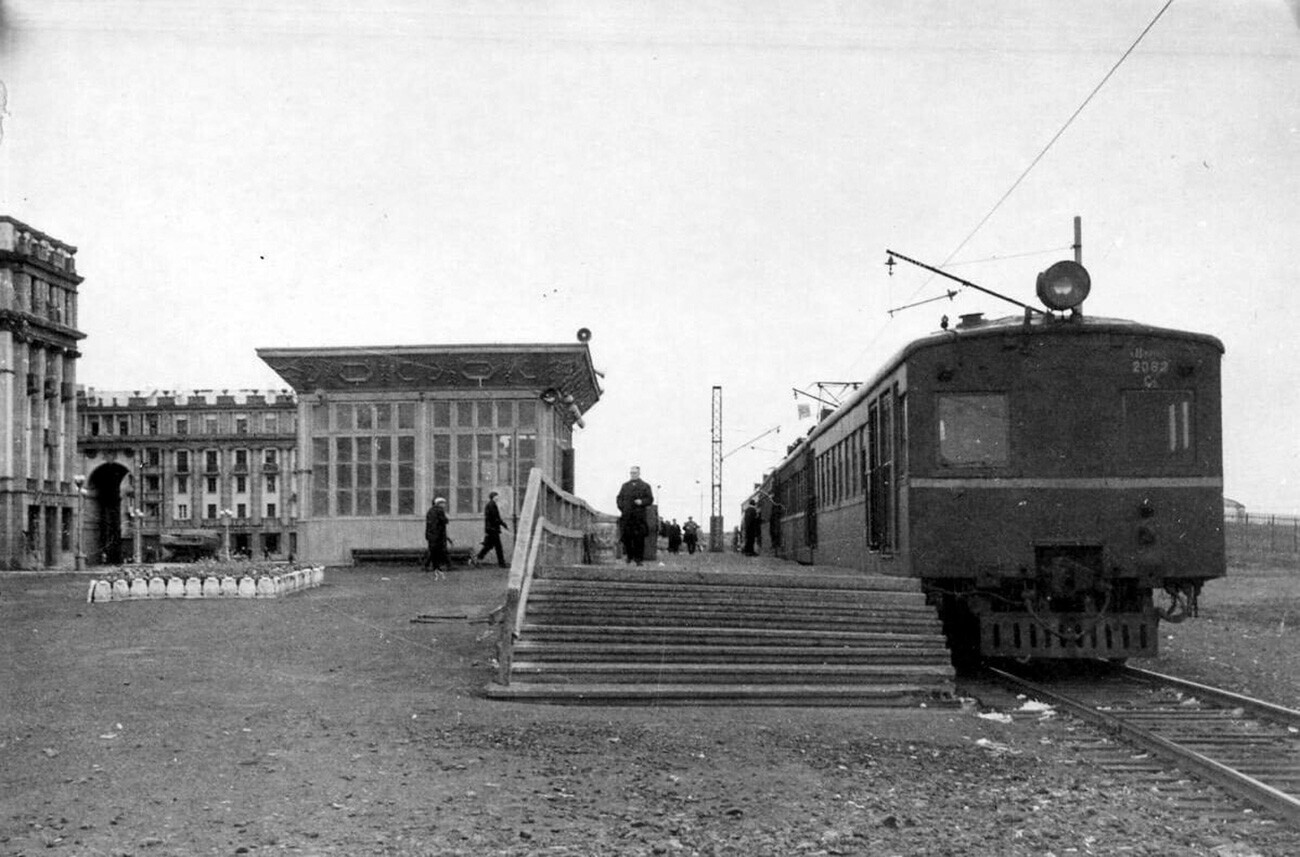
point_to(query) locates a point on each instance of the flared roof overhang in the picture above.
(565, 368)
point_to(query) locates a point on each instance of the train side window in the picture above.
(1159, 425)
(973, 430)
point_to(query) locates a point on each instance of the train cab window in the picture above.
(1159, 426)
(973, 430)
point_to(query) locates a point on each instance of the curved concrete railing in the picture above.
(555, 527)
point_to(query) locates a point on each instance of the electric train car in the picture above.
(1054, 480)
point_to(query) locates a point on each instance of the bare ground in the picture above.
(326, 723)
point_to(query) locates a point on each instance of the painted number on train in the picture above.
(1149, 364)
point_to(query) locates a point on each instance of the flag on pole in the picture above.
(805, 411)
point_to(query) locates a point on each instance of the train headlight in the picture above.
(1064, 285)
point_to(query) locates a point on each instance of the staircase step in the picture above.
(655, 635)
(863, 624)
(717, 592)
(617, 672)
(900, 694)
(552, 652)
(667, 634)
(777, 580)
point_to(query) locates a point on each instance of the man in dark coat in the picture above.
(435, 533)
(633, 499)
(492, 527)
(691, 533)
(749, 526)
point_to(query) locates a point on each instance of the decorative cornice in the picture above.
(25, 326)
(531, 368)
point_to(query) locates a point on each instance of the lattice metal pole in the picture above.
(715, 519)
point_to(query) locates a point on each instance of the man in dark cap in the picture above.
(492, 527)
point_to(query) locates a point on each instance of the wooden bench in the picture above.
(405, 556)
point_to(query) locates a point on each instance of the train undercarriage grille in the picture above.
(1023, 635)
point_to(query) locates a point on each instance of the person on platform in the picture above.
(674, 537)
(492, 527)
(690, 534)
(749, 528)
(633, 499)
(435, 534)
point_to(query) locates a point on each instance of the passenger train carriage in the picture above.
(1055, 481)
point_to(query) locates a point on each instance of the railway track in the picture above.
(1247, 747)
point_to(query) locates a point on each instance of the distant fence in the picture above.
(1257, 536)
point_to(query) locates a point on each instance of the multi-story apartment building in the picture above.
(38, 359)
(170, 464)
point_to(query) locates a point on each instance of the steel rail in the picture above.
(1278, 713)
(1233, 781)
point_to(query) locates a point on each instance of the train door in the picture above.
(880, 473)
(810, 499)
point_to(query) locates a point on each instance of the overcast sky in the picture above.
(710, 187)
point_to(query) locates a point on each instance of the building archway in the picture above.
(101, 526)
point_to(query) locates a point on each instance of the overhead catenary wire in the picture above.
(1027, 170)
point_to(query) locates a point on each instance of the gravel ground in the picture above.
(326, 723)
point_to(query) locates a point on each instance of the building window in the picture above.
(123, 426)
(211, 486)
(270, 510)
(153, 456)
(153, 482)
(182, 461)
(183, 511)
(241, 485)
(94, 427)
(211, 461)
(269, 456)
(182, 425)
(152, 510)
(241, 424)
(271, 423)
(152, 424)
(210, 424)
(361, 468)
(270, 484)
(241, 510)
(182, 484)
(241, 459)
(212, 512)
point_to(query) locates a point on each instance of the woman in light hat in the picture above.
(435, 533)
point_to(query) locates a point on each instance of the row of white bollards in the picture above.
(160, 585)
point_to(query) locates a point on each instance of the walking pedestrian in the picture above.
(633, 499)
(492, 527)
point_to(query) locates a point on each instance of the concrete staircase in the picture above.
(619, 635)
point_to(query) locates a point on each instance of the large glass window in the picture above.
(973, 430)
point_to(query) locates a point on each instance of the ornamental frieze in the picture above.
(566, 368)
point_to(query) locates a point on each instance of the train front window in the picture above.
(973, 430)
(1159, 426)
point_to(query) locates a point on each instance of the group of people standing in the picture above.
(679, 534)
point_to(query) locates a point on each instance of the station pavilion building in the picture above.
(383, 431)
